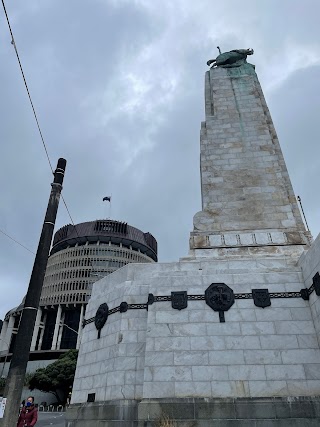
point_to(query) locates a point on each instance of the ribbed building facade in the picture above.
(80, 256)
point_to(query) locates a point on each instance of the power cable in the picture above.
(16, 241)
(74, 226)
(26, 85)
(33, 109)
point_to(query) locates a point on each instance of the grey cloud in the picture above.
(118, 87)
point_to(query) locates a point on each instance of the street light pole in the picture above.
(20, 356)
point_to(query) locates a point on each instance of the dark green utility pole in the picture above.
(20, 356)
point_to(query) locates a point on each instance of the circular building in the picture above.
(80, 255)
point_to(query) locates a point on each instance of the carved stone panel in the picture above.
(316, 282)
(304, 294)
(123, 307)
(150, 299)
(261, 297)
(179, 300)
(219, 297)
(101, 317)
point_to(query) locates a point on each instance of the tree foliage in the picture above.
(57, 378)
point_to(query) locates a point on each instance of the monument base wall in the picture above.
(189, 412)
(256, 365)
(153, 350)
(310, 266)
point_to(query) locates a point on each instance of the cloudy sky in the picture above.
(118, 88)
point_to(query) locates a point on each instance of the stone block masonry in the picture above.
(310, 265)
(171, 353)
(241, 412)
(146, 362)
(244, 181)
(162, 352)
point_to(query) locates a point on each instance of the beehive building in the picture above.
(80, 256)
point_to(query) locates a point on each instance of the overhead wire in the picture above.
(16, 241)
(33, 108)
(74, 226)
(26, 85)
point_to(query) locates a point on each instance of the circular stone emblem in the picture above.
(101, 317)
(123, 307)
(219, 297)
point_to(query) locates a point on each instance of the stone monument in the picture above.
(229, 335)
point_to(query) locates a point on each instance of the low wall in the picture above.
(310, 265)
(165, 352)
(241, 412)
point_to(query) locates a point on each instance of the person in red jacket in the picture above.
(28, 414)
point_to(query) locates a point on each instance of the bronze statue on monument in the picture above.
(234, 58)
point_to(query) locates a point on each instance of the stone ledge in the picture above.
(115, 410)
(188, 412)
(231, 408)
(200, 240)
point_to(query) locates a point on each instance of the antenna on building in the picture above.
(305, 219)
(108, 199)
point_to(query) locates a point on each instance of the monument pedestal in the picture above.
(188, 356)
(230, 334)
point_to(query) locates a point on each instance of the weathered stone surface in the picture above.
(199, 412)
(310, 265)
(255, 352)
(244, 181)
(253, 369)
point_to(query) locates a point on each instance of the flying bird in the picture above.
(108, 199)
